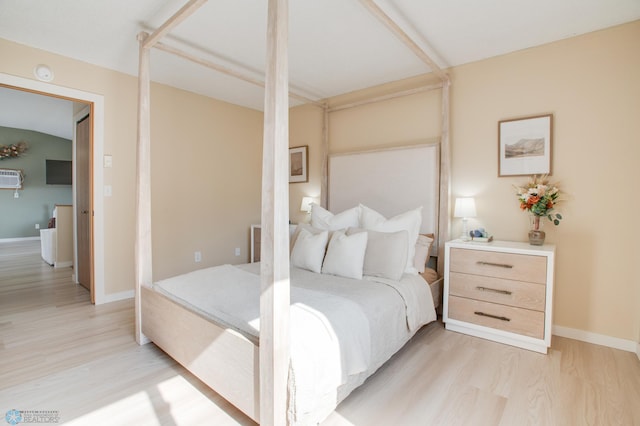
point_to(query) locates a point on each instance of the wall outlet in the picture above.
(237, 251)
(197, 256)
(37, 226)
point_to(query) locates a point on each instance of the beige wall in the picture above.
(395, 122)
(218, 145)
(591, 85)
(206, 173)
(305, 128)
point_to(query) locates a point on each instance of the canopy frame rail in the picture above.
(394, 95)
(404, 37)
(228, 71)
(183, 13)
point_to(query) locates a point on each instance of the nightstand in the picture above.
(501, 291)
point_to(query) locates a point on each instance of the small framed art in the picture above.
(299, 164)
(524, 146)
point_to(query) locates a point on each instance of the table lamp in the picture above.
(465, 208)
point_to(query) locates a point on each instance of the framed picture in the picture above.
(299, 164)
(524, 146)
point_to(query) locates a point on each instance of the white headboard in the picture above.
(390, 181)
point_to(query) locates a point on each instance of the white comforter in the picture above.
(340, 327)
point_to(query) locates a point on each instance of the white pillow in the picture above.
(345, 255)
(323, 219)
(409, 221)
(308, 250)
(299, 228)
(423, 247)
(386, 254)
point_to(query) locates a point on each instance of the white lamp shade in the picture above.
(305, 206)
(465, 207)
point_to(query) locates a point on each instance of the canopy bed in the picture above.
(258, 358)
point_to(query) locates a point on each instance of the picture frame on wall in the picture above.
(299, 164)
(524, 145)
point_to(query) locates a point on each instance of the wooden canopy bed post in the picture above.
(143, 258)
(445, 170)
(143, 250)
(274, 257)
(325, 156)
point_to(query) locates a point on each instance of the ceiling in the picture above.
(335, 46)
(45, 114)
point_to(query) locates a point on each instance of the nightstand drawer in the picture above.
(520, 267)
(501, 317)
(497, 290)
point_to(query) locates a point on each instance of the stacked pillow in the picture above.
(361, 241)
(323, 219)
(423, 248)
(386, 253)
(309, 249)
(345, 255)
(409, 221)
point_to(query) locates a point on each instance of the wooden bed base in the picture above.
(222, 358)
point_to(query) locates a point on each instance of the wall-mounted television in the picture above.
(58, 172)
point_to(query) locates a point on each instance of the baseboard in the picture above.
(13, 240)
(63, 264)
(597, 339)
(108, 298)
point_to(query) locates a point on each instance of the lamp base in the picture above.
(465, 231)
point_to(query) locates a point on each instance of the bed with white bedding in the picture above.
(342, 329)
(357, 295)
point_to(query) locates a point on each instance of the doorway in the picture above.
(95, 185)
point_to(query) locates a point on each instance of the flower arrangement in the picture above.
(12, 151)
(539, 197)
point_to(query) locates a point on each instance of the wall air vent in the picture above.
(10, 179)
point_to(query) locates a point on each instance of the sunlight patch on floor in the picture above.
(135, 409)
(174, 401)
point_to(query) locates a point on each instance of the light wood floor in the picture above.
(58, 352)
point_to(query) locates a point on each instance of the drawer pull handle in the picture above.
(499, 265)
(495, 290)
(482, 314)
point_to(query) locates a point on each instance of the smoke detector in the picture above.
(43, 72)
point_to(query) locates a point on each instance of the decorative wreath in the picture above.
(12, 151)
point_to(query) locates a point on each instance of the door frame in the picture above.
(96, 102)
